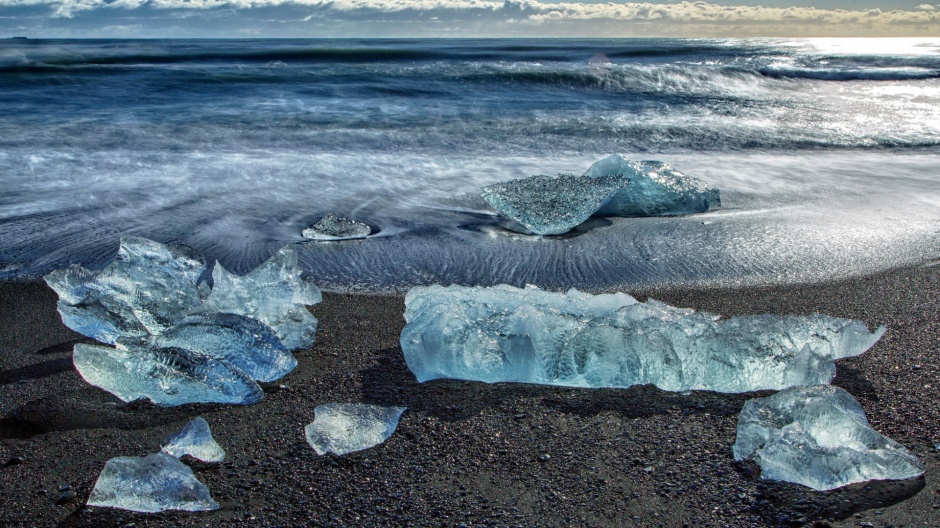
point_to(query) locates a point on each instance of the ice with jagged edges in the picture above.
(146, 289)
(818, 436)
(552, 205)
(332, 227)
(150, 484)
(656, 189)
(244, 342)
(194, 439)
(507, 334)
(273, 293)
(342, 428)
(167, 376)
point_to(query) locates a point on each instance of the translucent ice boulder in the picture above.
(194, 439)
(166, 376)
(503, 333)
(146, 289)
(655, 189)
(342, 428)
(819, 437)
(332, 227)
(242, 341)
(552, 205)
(273, 293)
(151, 484)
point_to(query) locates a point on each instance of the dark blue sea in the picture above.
(827, 154)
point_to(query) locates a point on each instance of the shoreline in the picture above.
(469, 452)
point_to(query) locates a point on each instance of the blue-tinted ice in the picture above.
(552, 205)
(194, 439)
(166, 376)
(503, 333)
(146, 289)
(151, 484)
(273, 293)
(342, 428)
(655, 189)
(332, 227)
(819, 437)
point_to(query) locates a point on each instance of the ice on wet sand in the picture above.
(332, 227)
(151, 484)
(342, 428)
(194, 439)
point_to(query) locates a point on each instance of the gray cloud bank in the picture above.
(445, 18)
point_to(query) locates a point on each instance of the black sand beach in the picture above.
(471, 454)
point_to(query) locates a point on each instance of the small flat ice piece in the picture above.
(150, 484)
(818, 436)
(166, 376)
(332, 227)
(552, 205)
(147, 288)
(273, 293)
(507, 334)
(194, 439)
(342, 428)
(244, 342)
(656, 189)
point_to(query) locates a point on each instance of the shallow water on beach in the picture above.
(826, 154)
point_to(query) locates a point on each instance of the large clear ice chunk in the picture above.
(818, 436)
(507, 334)
(146, 289)
(242, 341)
(552, 205)
(342, 428)
(166, 376)
(655, 189)
(332, 227)
(194, 439)
(150, 484)
(273, 293)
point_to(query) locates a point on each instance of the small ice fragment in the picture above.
(507, 334)
(244, 342)
(166, 376)
(145, 289)
(552, 205)
(655, 189)
(194, 439)
(818, 436)
(150, 484)
(273, 293)
(332, 227)
(342, 428)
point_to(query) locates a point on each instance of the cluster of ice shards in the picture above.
(194, 439)
(172, 346)
(819, 437)
(507, 334)
(552, 205)
(151, 484)
(332, 227)
(656, 189)
(342, 428)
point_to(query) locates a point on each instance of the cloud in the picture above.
(493, 18)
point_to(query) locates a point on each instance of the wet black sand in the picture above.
(469, 453)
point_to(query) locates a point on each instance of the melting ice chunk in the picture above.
(274, 293)
(503, 333)
(342, 428)
(552, 205)
(655, 189)
(147, 288)
(166, 376)
(150, 484)
(242, 341)
(819, 437)
(332, 227)
(195, 440)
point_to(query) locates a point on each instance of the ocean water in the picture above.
(827, 153)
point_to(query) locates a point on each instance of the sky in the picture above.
(466, 18)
